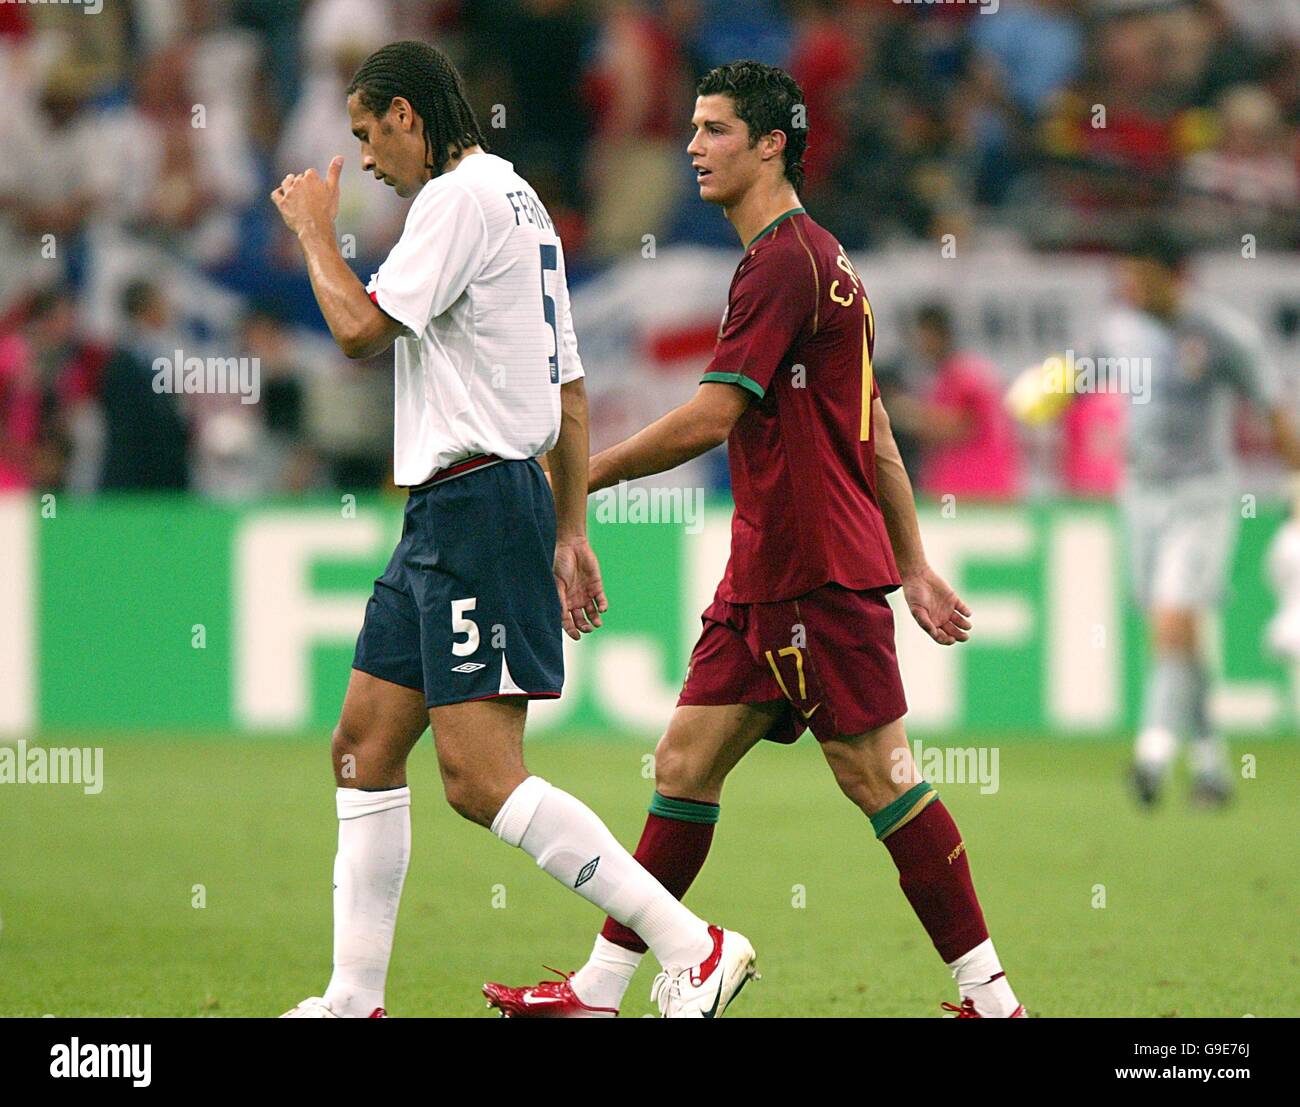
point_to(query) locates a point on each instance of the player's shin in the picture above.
(1175, 685)
(672, 849)
(934, 874)
(568, 840)
(373, 853)
(1207, 751)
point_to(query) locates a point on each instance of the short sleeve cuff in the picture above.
(385, 304)
(738, 379)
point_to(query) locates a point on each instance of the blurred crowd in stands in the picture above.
(141, 141)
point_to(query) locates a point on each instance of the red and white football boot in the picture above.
(551, 999)
(967, 1011)
(703, 991)
(317, 1008)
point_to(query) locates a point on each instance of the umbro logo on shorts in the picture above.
(469, 667)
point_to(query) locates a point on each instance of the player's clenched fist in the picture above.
(306, 202)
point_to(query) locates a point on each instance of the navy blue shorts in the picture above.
(467, 608)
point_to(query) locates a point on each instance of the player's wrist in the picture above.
(315, 234)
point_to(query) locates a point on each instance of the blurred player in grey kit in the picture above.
(1181, 506)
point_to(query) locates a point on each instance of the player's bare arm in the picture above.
(577, 572)
(938, 610)
(695, 428)
(309, 206)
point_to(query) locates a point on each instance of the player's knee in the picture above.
(343, 740)
(345, 750)
(470, 794)
(861, 784)
(1174, 632)
(1176, 641)
(468, 800)
(858, 788)
(677, 772)
(365, 757)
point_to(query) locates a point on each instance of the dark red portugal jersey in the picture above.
(798, 334)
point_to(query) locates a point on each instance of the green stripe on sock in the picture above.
(686, 811)
(882, 822)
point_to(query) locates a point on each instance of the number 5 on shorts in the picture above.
(461, 625)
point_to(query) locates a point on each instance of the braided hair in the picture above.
(424, 76)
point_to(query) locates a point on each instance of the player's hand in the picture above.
(937, 609)
(306, 202)
(582, 596)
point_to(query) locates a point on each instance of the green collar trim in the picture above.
(772, 225)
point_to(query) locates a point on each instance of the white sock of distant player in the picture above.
(1207, 752)
(1173, 688)
(603, 980)
(1156, 747)
(978, 974)
(568, 840)
(369, 868)
(1208, 757)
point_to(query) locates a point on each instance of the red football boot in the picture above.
(967, 1010)
(551, 999)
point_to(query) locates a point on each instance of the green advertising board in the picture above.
(161, 614)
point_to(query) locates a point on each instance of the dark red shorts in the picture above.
(830, 653)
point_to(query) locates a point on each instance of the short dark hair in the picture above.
(767, 99)
(424, 76)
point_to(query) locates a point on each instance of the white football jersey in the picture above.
(477, 279)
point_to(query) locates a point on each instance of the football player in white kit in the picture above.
(1181, 505)
(466, 623)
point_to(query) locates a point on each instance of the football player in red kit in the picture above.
(800, 634)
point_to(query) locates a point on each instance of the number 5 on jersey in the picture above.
(551, 261)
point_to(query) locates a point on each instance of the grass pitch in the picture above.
(198, 884)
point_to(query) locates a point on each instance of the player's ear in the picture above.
(402, 112)
(773, 143)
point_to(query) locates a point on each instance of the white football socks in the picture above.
(1156, 746)
(568, 840)
(603, 980)
(374, 850)
(1208, 756)
(974, 972)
